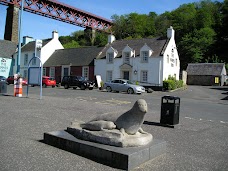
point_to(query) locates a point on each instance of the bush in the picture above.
(169, 84)
(179, 83)
(172, 83)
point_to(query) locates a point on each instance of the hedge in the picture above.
(172, 84)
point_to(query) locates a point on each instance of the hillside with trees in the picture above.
(201, 31)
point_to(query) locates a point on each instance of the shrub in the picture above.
(172, 83)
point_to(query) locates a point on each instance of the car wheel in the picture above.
(109, 89)
(53, 86)
(130, 91)
(66, 86)
(83, 87)
(44, 85)
(74, 88)
(91, 88)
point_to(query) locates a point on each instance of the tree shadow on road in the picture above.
(222, 89)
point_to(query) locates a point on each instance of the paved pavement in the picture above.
(199, 142)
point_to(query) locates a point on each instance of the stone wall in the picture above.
(201, 80)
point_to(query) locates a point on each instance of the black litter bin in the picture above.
(170, 108)
(3, 87)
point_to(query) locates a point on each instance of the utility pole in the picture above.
(19, 37)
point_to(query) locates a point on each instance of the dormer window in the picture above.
(110, 57)
(145, 56)
(127, 57)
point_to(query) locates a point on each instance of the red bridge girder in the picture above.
(63, 12)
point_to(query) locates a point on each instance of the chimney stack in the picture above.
(111, 38)
(55, 34)
(27, 39)
(170, 32)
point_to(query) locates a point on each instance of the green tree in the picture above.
(72, 44)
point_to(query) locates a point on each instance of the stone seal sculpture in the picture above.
(115, 129)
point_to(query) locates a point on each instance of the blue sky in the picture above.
(40, 27)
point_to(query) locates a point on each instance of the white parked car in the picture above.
(122, 85)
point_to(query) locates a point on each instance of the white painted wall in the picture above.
(50, 48)
(154, 67)
(168, 68)
(158, 68)
(45, 52)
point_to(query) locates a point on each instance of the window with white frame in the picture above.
(109, 76)
(26, 59)
(145, 56)
(34, 60)
(110, 57)
(25, 75)
(52, 72)
(44, 71)
(144, 76)
(127, 57)
(85, 72)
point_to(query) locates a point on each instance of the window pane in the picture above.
(109, 75)
(127, 58)
(44, 71)
(145, 56)
(110, 57)
(26, 59)
(52, 72)
(86, 72)
(144, 76)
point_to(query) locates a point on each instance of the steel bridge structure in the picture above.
(62, 12)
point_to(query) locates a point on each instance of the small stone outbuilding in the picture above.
(206, 74)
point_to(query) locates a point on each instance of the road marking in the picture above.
(200, 119)
(106, 102)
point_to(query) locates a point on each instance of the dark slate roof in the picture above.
(31, 45)
(7, 48)
(156, 44)
(205, 69)
(74, 56)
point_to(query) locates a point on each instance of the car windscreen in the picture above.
(129, 82)
(82, 79)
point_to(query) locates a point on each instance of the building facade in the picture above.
(73, 61)
(7, 49)
(207, 74)
(28, 52)
(148, 61)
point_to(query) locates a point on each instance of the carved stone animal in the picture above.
(129, 122)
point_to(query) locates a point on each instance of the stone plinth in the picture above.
(123, 158)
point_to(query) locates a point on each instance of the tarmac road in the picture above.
(198, 142)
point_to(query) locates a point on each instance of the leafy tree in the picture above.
(72, 44)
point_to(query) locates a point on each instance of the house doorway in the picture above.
(126, 75)
(65, 71)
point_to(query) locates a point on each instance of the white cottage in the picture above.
(148, 61)
(28, 52)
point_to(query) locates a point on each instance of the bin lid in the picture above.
(167, 97)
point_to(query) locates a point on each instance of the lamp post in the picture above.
(19, 37)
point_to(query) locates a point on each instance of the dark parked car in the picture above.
(76, 81)
(2, 78)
